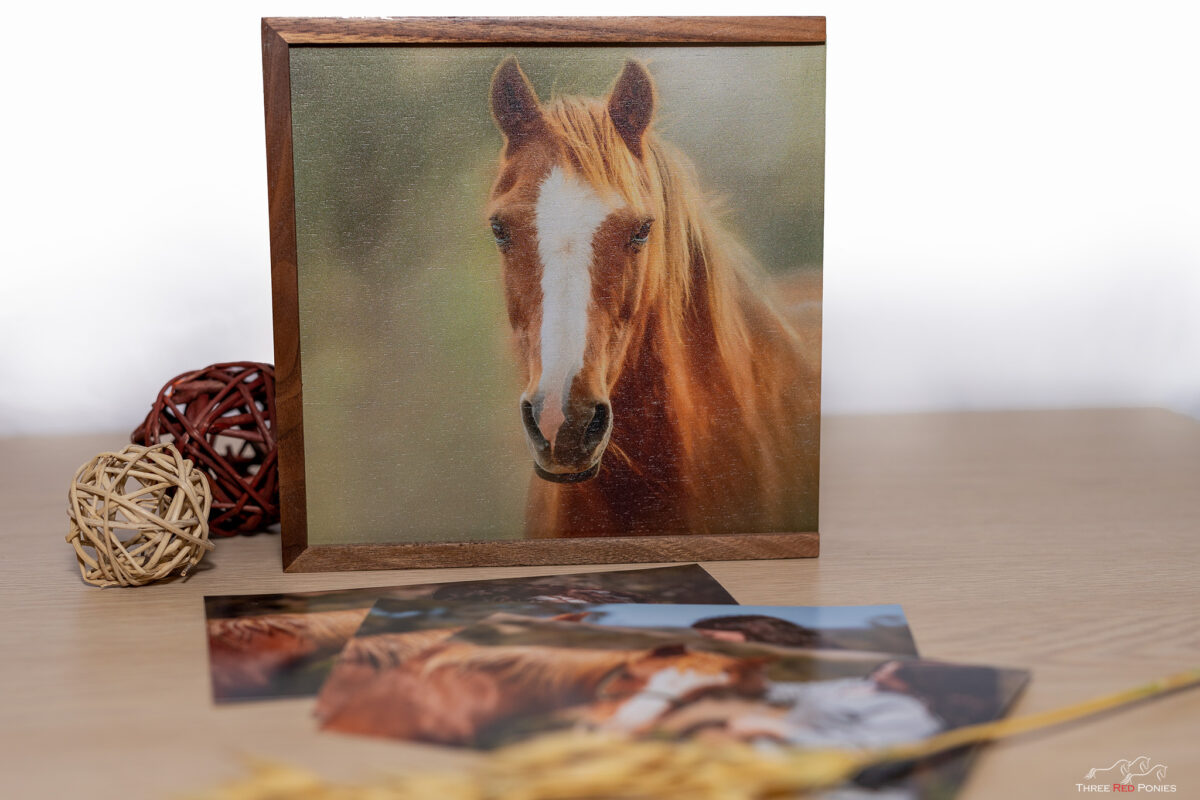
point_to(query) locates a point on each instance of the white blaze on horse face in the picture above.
(567, 215)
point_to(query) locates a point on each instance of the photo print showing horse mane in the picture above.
(367, 675)
(554, 304)
(511, 677)
(264, 646)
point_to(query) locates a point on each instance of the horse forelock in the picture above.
(688, 254)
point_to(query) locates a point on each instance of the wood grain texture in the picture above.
(548, 30)
(557, 551)
(285, 293)
(1064, 542)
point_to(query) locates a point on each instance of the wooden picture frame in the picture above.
(281, 39)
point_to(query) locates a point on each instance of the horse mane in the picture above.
(320, 630)
(546, 672)
(724, 349)
(247, 652)
(451, 691)
(368, 660)
(385, 650)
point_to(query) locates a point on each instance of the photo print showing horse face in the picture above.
(559, 292)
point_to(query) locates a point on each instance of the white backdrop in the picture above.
(1012, 214)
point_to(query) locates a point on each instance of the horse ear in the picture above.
(631, 105)
(515, 105)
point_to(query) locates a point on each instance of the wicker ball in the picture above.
(223, 418)
(154, 498)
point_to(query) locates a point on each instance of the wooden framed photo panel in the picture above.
(546, 290)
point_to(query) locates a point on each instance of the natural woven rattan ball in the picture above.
(142, 511)
(223, 418)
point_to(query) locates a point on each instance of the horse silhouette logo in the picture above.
(1128, 769)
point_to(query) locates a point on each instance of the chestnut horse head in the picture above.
(574, 215)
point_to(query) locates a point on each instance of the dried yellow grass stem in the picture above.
(594, 767)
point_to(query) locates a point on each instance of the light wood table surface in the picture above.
(1067, 542)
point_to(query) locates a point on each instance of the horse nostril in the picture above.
(598, 427)
(531, 427)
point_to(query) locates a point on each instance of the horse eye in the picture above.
(642, 234)
(501, 233)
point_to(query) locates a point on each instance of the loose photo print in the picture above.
(511, 677)
(370, 679)
(558, 292)
(265, 646)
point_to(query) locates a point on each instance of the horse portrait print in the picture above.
(560, 293)
(642, 331)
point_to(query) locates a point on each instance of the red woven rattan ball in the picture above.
(222, 417)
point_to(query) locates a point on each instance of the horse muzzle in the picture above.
(567, 477)
(578, 443)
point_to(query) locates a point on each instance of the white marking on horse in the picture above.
(666, 687)
(568, 213)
